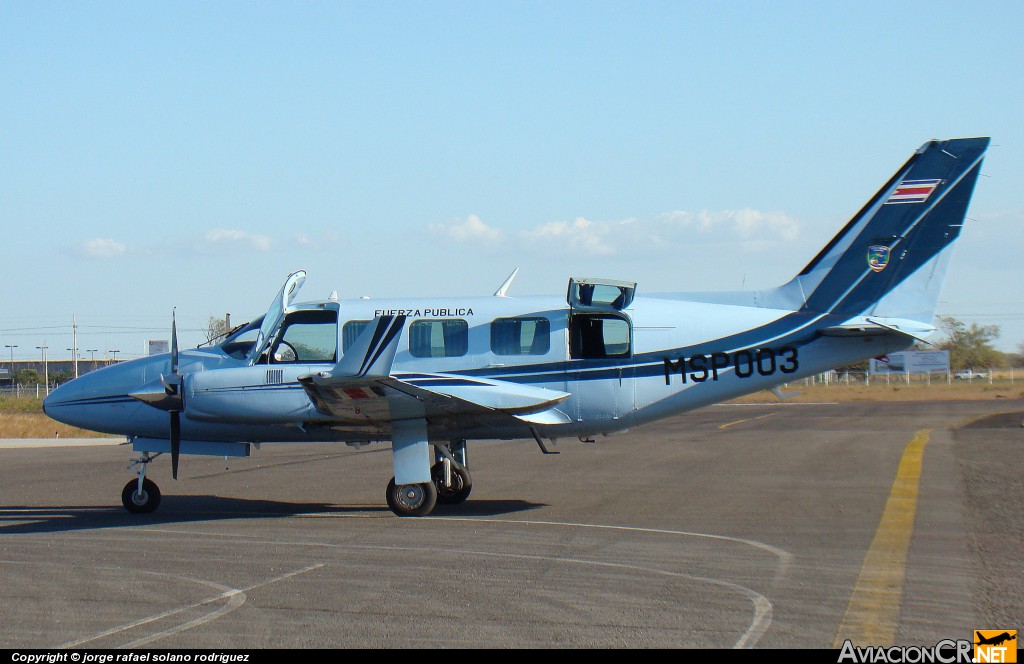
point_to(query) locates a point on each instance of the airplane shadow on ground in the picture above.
(191, 509)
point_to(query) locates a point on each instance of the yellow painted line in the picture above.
(872, 616)
(749, 419)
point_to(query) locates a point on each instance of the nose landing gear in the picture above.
(141, 495)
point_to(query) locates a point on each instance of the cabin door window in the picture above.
(598, 336)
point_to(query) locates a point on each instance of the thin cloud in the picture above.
(103, 248)
(744, 224)
(580, 235)
(318, 241)
(748, 230)
(470, 229)
(228, 239)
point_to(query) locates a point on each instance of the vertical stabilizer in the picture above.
(891, 258)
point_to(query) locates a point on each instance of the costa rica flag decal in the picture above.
(913, 191)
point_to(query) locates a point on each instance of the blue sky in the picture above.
(191, 155)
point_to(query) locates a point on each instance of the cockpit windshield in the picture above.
(240, 340)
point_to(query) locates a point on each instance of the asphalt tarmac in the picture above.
(778, 525)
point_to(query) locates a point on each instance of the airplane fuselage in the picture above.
(669, 356)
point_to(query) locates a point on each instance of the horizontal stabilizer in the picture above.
(870, 326)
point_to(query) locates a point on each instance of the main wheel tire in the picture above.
(140, 503)
(462, 484)
(411, 499)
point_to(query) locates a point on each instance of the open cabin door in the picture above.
(601, 373)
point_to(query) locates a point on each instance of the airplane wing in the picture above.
(361, 390)
(438, 398)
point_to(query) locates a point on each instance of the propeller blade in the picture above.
(175, 442)
(174, 343)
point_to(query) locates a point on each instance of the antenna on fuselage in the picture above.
(504, 286)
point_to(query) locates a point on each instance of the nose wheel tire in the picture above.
(140, 503)
(411, 499)
(462, 484)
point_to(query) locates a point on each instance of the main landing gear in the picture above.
(451, 483)
(411, 499)
(141, 495)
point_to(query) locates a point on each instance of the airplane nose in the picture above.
(54, 398)
(54, 404)
(94, 401)
(104, 400)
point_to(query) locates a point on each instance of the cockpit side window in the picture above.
(307, 337)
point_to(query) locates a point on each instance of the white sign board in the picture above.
(159, 346)
(912, 361)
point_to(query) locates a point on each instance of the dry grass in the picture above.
(37, 425)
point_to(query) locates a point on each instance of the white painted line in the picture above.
(226, 592)
(762, 606)
(236, 597)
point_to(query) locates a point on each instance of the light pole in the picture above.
(12, 361)
(92, 356)
(46, 368)
(113, 354)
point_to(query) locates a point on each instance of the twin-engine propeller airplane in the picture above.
(430, 374)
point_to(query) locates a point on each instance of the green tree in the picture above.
(28, 377)
(970, 347)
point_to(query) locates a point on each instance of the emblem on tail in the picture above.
(878, 257)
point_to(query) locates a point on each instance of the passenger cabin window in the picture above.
(307, 336)
(350, 331)
(447, 337)
(520, 336)
(595, 336)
